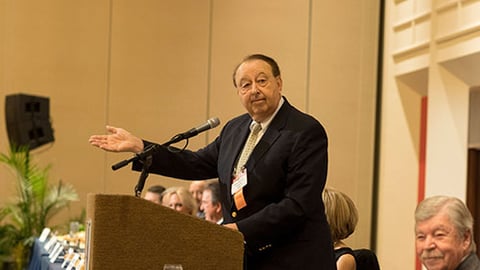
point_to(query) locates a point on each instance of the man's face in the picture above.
(211, 210)
(438, 244)
(258, 89)
(153, 197)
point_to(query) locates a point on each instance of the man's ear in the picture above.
(279, 82)
(467, 239)
(219, 208)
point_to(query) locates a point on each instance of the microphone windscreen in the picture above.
(213, 122)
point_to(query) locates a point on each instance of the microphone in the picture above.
(211, 123)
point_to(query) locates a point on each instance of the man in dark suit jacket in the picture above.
(280, 213)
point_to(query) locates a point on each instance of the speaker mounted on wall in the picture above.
(28, 120)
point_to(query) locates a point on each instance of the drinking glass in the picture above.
(172, 267)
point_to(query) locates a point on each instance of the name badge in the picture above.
(239, 181)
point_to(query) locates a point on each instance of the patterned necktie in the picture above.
(248, 148)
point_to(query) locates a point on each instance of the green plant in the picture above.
(24, 218)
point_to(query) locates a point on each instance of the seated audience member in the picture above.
(211, 205)
(342, 216)
(196, 189)
(181, 200)
(444, 234)
(166, 195)
(154, 194)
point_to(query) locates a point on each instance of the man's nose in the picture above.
(255, 89)
(430, 243)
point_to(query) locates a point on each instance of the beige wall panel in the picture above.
(59, 49)
(443, 3)
(422, 31)
(342, 95)
(447, 135)
(5, 181)
(447, 21)
(403, 37)
(276, 28)
(398, 153)
(469, 14)
(159, 70)
(423, 7)
(453, 50)
(413, 62)
(398, 176)
(404, 10)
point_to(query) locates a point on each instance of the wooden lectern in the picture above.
(127, 232)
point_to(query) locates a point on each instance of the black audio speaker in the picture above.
(28, 120)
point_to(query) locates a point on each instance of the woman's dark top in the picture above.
(342, 251)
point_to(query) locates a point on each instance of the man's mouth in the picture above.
(432, 258)
(257, 100)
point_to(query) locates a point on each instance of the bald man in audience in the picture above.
(196, 189)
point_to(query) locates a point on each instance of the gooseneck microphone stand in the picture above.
(143, 176)
(145, 157)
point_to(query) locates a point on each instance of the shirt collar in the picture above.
(267, 122)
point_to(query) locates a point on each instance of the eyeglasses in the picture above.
(246, 85)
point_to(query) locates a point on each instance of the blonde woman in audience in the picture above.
(342, 216)
(181, 200)
(166, 195)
